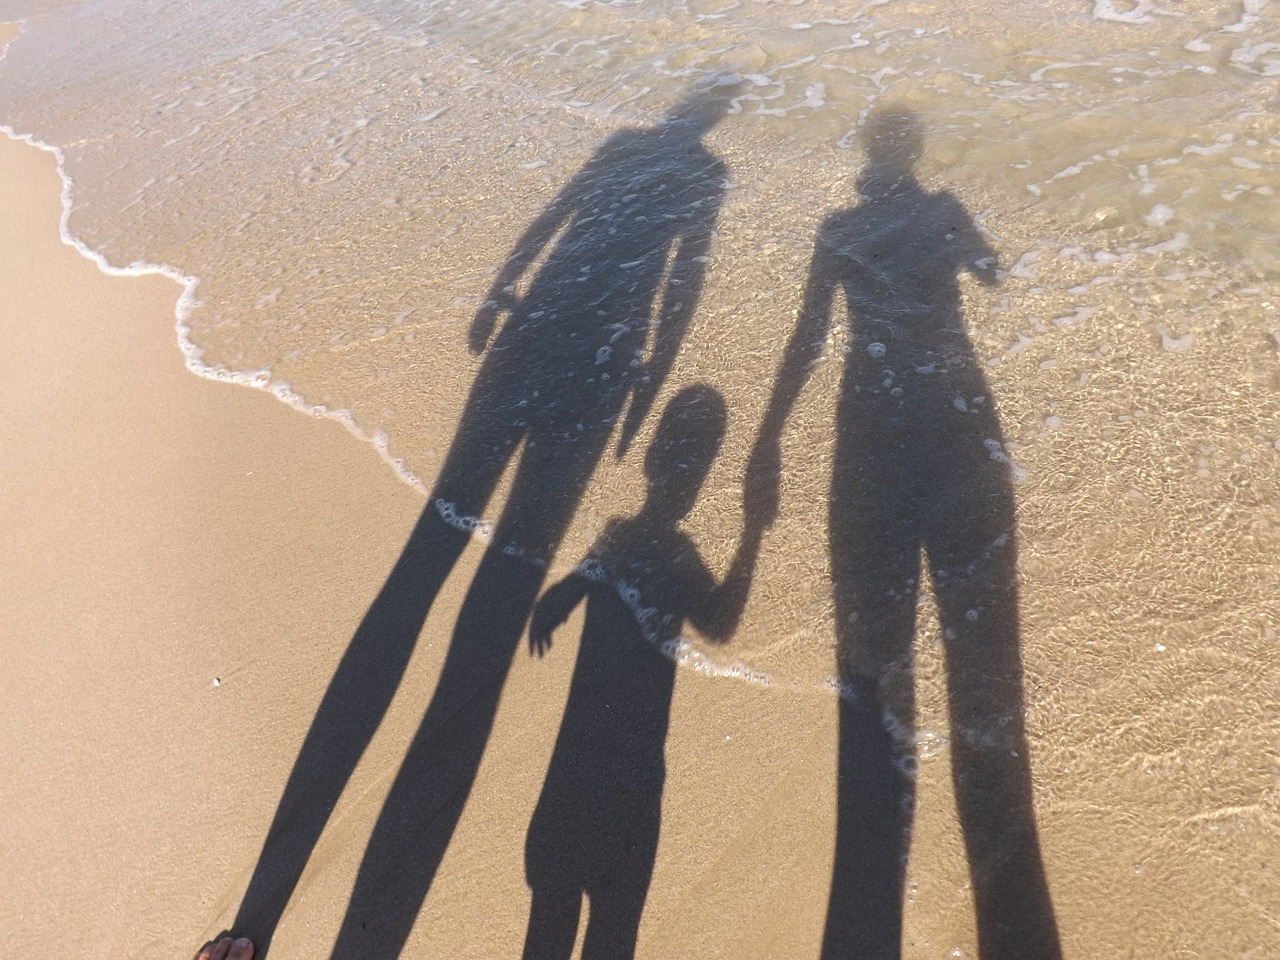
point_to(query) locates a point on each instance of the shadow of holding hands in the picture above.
(595, 829)
(622, 247)
(920, 469)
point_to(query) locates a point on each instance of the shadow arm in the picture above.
(553, 609)
(679, 299)
(807, 341)
(977, 256)
(803, 350)
(720, 606)
(502, 292)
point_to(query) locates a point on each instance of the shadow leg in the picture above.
(374, 662)
(352, 707)
(613, 925)
(864, 918)
(429, 793)
(876, 577)
(553, 924)
(977, 593)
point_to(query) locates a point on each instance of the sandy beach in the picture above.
(184, 561)
(163, 533)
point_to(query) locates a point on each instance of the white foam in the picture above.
(1138, 13)
(1172, 344)
(1075, 168)
(1037, 76)
(1017, 473)
(1024, 267)
(1220, 144)
(1179, 241)
(1020, 344)
(478, 527)
(1251, 14)
(1081, 313)
(685, 654)
(1266, 56)
(192, 353)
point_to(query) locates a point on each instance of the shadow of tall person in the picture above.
(601, 320)
(919, 468)
(595, 829)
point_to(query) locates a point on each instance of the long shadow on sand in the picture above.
(600, 322)
(594, 832)
(920, 469)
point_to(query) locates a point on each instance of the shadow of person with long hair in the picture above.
(595, 828)
(601, 320)
(919, 468)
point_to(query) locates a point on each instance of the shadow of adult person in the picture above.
(919, 468)
(595, 829)
(601, 320)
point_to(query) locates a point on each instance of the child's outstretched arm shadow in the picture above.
(553, 609)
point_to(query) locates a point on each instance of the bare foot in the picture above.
(227, 949)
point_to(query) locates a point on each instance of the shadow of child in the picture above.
(595, 829)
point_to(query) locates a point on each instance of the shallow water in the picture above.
(347, 179)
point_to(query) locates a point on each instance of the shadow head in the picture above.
(684, 448)
(894, 139)
(705, 105)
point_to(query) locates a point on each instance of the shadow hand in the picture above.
(485, 320)
(545, 620)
